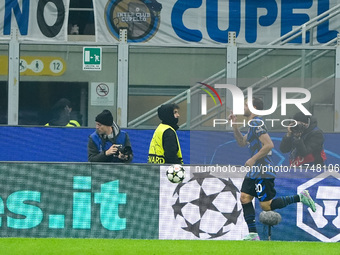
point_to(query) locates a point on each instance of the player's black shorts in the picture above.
(263, 189)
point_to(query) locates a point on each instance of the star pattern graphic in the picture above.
(206, 202)
(177, 207)
(178, 188)
(218, 234)
(200, 177)
(232, 217)
(229, 186)
(193, 228)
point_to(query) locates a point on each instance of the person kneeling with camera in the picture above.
(304, 140)
(108, 143)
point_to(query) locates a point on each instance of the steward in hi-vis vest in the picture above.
(164, 146)
(61, 114)
(71, 123)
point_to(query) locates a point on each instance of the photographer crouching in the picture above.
(304, 140)
(108, 143)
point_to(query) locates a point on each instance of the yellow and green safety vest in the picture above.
(156, 150)
(72, 123)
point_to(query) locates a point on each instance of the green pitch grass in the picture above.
(49, 246)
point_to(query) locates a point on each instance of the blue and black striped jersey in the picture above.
(255, 130)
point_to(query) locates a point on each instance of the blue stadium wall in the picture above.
(198, 147)
(63, 195)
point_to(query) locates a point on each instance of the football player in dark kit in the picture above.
(258, 183)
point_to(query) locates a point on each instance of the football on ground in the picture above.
(175, 173)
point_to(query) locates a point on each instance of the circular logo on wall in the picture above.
(141, 18)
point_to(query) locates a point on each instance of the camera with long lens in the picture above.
(120, 148)
(299, 128)
(126, 150)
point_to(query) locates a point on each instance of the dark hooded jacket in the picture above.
(169, 139)
(60, 115)
(306, 150)
(166, 115)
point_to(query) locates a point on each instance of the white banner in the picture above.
(207, 22)
(202, 207)
(40, 20)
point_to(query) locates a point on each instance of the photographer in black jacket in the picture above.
(109, 143)
(304, 141)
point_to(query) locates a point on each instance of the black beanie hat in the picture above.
(301, 117)
(105, 118)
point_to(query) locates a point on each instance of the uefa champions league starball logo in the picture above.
(207, 206)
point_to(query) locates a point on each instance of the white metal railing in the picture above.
(274, 78)
(299, 31)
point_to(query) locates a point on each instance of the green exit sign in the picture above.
(92, 58)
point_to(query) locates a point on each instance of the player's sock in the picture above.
(281, 202)
(249, 216)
